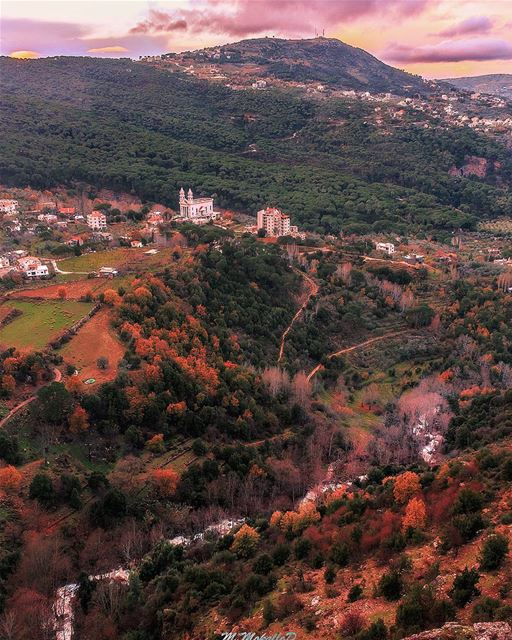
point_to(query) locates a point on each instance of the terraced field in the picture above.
(40, 322)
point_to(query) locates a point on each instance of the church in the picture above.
(196, 209)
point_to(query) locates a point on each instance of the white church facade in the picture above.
(197, 210)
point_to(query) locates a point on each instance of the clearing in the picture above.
(40, 322)
(96, 338)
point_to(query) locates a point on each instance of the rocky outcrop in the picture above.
(478, 631)
(474, 166)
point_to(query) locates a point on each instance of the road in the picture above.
(57, 378)
(313, 290)
(78, 273)
(313, 373)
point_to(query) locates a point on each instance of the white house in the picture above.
(196, 208)
(387, 247)
(8, 206)
(28, 262)
(4, 262)
(97, 220)
(39, 271)
(49, 218)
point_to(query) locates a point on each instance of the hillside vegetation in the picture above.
(128, 126)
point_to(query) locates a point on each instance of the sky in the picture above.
(433, 38)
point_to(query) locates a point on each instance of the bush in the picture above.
(376, 631)
(485, 610)
(391, 585)
(356, 592)
(340, 554)
(42, 490)
(263, 564)
(493, 552)
(281, 554)
(329, 574)
(464, 587)
(302, 548)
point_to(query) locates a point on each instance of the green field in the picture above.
(93, 261)
(40, 322)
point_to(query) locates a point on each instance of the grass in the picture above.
(40, 322)
(93, 261)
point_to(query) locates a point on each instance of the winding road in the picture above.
(313, 290)
(57, 378)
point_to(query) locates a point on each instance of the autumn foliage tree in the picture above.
(415, 515)
(406, 485)
(245, 541)
(10, 478)
(78, 420)
(165, 481)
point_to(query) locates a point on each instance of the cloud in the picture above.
(111, 49)
(476, 49)
(66, 38)
(251, 17)
(476, 24)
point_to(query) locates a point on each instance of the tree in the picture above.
(8, 384)
(111, 297)
(245, 541)
(42, 489)
(78, 421)
(493, 552)
(62, 293)
(102, 363)
(10, 478)
(464, 587)
(415, 515)
(406, 485)
(165, 481)
(54, 402)
(391, 585)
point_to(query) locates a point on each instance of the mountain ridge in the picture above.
(499, 84)
(319, 59)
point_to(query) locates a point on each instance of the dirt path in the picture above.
(57, 378)
(313, 290)
(314, 371)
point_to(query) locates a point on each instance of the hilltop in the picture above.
(499, 84)
(325, 60)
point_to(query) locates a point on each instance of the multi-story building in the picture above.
(97, 220)
(196, 208)
(8, 206)
(274, 221)
(37, 271)
(387, 247)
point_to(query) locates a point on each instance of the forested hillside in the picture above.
(128, 126)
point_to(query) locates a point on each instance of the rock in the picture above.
(456, 631)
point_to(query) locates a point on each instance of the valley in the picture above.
(255, 364)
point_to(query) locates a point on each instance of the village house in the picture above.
(28, 262)
(97, 220)
(67, 211)
(136, 244)
(8, 206)
(49, 218)
(108, 272)
(37, 271)
(197, 210)
(387, 247)
(414, 258)
(4, 262)
(154, 219)
(75, 241)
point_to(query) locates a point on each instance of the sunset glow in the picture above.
(25, 55)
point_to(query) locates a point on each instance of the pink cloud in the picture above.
(476, 49)
(290, 17)
(476, 24)
(63, 38)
